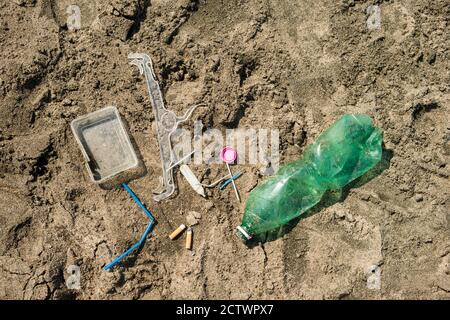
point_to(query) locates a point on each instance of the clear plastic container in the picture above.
(104, 143)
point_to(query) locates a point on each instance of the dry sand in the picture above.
(290, 65)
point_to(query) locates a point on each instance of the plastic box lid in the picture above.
(104, 143)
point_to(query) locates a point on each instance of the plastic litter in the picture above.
(181, 160)
(229, 155)
(344, 152)
(108, 151)
(166, 123)
(104, 143)
(215, 183)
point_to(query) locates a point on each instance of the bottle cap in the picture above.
(228, 154)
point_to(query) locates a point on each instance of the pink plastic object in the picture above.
(228, 155)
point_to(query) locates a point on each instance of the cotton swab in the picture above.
(229, 155)
(180, 161)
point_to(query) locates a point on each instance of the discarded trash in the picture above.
(374, 277)
(236, 175)
(104, 143)
(192, 179)
(215, 183)
(189, 239)
(229, 155)
(108, 151)
(179, 230)
(144, 235)
(344, 152)
(181, 160)
(166, 122)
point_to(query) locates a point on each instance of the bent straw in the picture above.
(144, 235)
(232, 181)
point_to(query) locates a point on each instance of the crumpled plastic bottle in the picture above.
(344, 152)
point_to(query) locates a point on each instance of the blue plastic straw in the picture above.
(136, 199)
(144, 235)
(223, 185)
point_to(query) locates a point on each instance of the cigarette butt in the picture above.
(179, 230)
(189, 239)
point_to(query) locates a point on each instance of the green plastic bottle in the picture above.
(344, 152)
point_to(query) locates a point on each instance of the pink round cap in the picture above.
(228, 154)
